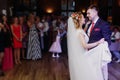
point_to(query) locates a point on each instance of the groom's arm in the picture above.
(106, 32)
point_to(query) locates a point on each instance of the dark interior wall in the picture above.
(82, 4)
(116, 13)
(103, 9)
(44, 4)
(3, 5)
(102, 4)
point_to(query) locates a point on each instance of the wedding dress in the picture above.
(82, 63)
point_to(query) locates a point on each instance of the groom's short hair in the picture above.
(93, 6)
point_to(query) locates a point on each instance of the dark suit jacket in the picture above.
(100, 30)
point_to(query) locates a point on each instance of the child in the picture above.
(56, 47)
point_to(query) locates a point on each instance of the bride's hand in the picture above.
(101, 40)
(88, 22)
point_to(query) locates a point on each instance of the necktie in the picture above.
(91, 28)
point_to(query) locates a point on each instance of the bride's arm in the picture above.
(89, 45)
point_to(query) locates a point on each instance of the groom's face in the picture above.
(91, 14)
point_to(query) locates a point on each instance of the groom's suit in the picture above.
(101, 30)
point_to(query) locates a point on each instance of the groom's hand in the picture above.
(101, 40)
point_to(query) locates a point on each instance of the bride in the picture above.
(82, 65)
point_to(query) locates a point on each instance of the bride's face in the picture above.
(82, 21)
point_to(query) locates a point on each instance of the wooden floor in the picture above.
(49, 68)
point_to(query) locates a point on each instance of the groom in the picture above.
(98, 29)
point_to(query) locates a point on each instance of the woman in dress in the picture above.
(24, 35)
(2, 46)
(17, 39)
(79, 58)
(8, 57)
(34, 50)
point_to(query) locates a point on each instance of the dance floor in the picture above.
(49, 68)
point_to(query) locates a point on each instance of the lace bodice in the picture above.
(85, 35)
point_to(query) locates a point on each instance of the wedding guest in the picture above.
(40, 27)
(56, 46)
(114, 47)
(34, 50)
(24, 35)
(17, 39)
(2, 46)
(8, 53)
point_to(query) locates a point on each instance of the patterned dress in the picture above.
(34, 50)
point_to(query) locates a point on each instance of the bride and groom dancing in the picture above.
(88, 56)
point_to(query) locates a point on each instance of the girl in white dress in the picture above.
(81, 64)
(56, 47)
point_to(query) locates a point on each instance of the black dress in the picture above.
(8, 37)
(2, 40)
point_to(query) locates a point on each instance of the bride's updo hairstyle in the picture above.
(76, 16)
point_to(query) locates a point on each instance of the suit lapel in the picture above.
(95, 26)
(97, 23)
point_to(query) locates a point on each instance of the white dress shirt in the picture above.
(91, 25)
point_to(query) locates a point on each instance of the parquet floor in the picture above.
(49, 68)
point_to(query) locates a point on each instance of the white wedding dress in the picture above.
(83, 64)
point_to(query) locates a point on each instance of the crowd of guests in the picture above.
(27, 37)
(115, 43)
